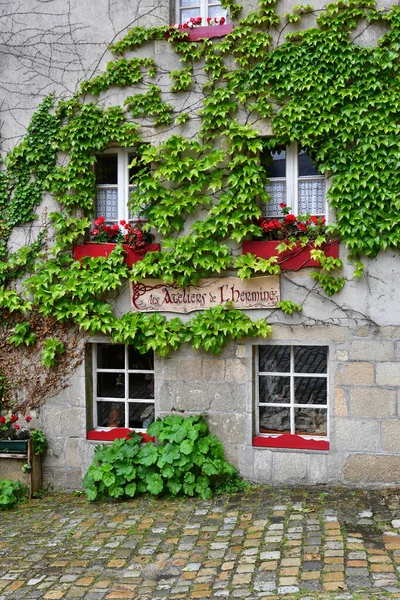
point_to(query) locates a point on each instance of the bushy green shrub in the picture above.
(185, 459)
(11, 492)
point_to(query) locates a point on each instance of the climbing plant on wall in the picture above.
(202, 193)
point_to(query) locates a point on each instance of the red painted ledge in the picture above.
(113, 434)
(291, 260)
(94, 250)
(290, 440)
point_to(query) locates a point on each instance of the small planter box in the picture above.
(201, 33)
(94, 250)
(291, 260)
(14, 455)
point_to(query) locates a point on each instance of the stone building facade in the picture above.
(356, 332)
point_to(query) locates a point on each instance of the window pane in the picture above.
(140, 362)
(189, 12)
(141, 385)
(310, 390)
(310, 359)
(107, 204)
(111, 385)
(186, 3)
(310, 421)
(274, 389)
(110, 414)
(312, 197)
(274, 359)
(215, 11)
(306, 165)
(277, 191)
(141, 415)
(107, 169)
(110, 356)
(276, 163)
(274, 419)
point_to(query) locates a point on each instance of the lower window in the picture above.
(123, 387)
(292, 397)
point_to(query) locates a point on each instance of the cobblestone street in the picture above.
(266, 543)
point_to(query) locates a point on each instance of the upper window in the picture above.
(113, 184)
(198, 8)
(295, 181)
(123, 387)
(292, 391)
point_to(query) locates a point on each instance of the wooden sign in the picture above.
(151, 295)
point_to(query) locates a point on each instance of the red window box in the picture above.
(291, 260)
(94, 250)
(290, 440)
(201, 33)
(112, 434)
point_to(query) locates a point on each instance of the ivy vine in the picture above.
(337, 99)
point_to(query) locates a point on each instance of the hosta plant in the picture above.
(184, 459)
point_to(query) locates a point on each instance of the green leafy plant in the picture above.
(22, 335)
(39, 441)
(185, 459)
(11, 492)
(52, 347)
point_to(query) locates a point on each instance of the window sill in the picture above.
(112, 434)
(288, 440)
(94, 250)
(291, 260)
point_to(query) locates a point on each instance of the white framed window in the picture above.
(113, 185)
(123, 387)
(295, 181)
(292, 391)
(198, 8)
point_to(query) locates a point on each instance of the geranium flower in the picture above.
(302, 226)
(289, 219)
(13, 418)
(17, 427)
(28, 419)
(2, 420)
(99, 221)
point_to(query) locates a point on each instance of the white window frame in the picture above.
(123, 185)
(292, 180)
(126, 400)
(292, 405)
(203, 8)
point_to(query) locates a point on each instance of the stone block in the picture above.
(243, 397)
(189, 369)
(371, 350)
(195, 397)
(300, 334)
(213, 369)
(74, 452)
(64, 422)
(324, 468)
(290, 468)
(356, 435)
(372, 402)
(238, 370)
(243, 351)
(231, 455)
(340, 402)
(246, 461)
(390, 436)
(372, 469)
(388, 373)
(231, 428)
(263, 465)
(358, 373)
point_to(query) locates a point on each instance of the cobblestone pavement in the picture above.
(263, 544)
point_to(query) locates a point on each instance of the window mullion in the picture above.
(292, 177)
(257, 391)
(122, 184)
(126, 387)
(292, 416)
(94, 379)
